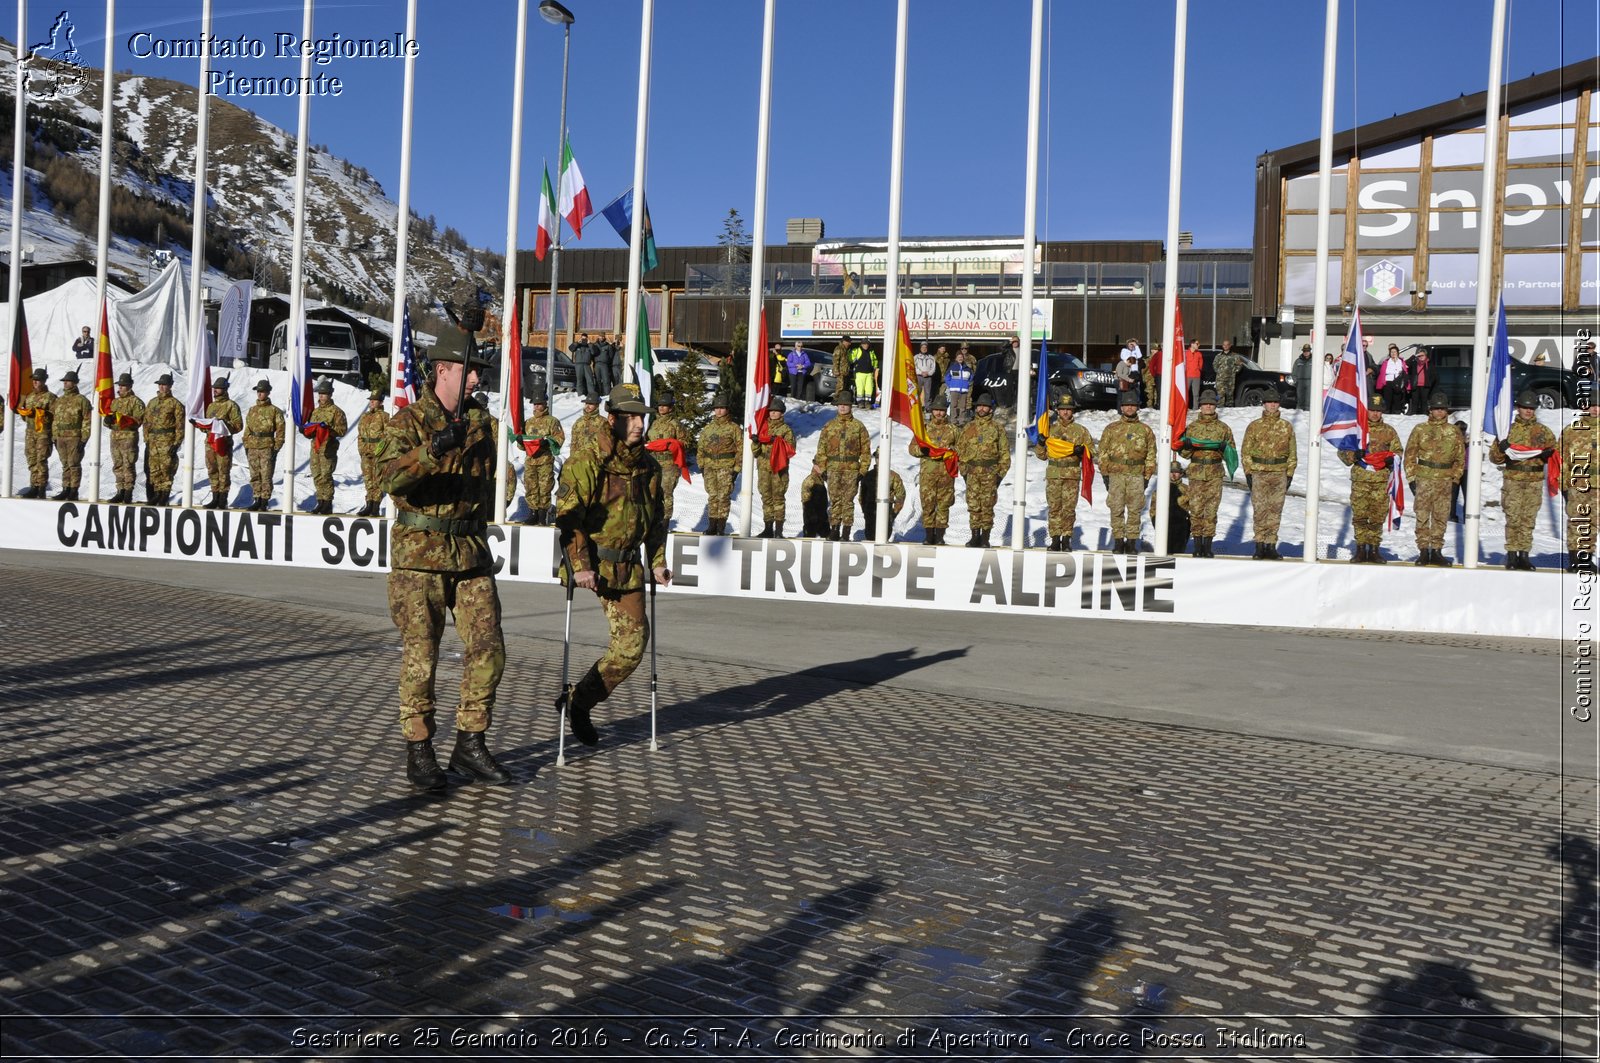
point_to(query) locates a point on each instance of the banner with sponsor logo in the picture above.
(944, 318)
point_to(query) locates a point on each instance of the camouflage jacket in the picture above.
(763, 451)
(69, 415)
(132, 407)
(667, 427)
(587, 432)
(1068, 468)
(1580, 450)
(163, 419)
(1128, 448)
(983, 445)
(1529, 433)
(228, 411)
(940, 434)
(845, 441)
(548, 427)
(1269, 446)
(1380, 438)
(326, 412)
(370, 429)
(263, 427)
(608, 504)
(456, 487)
(1435, 451)
(841, 361)
(34, 408)
(719, 443)
(1206, 428)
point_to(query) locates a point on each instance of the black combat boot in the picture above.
(1511, 561)
(766, 530)
(1261, 552)
(1524, 563)
(472, 758)
(846, 532)
(1202, 546)
(1055, 544)
(777, 529)
(1375, 555)
(1272, 552)
(60, 496)
(324, 507)
(72, 494)
(1132, 549)
(585, 696)
(422, 768)
(1439, 558)
(983, 538)
(973, 539)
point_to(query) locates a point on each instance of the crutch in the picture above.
(646, 549)
(567, 692)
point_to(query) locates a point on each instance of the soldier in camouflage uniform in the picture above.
(1269, 458)
(773, 484)
(325, 444)
(869, 501)
(1063, 475)
(127, 414)
(1226, 366)
(219, 456)
(841, 364)
(440, 471)
(985, 460)
(934, 481)
(264, 428)
(844, 454)
(33, 410)
(1522, 483)
(539, 470)
(718, 452)
(163, 427)
(1177, 512)
(370, 429)
(1436, 458)
(69, 427)
(1580, 450)
(608, 505)
(1148, 373)
(589, 429)
(1369, 482)
(1127, 461)
(666, 426)
(1205, 443)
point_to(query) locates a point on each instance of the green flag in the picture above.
(644, 356)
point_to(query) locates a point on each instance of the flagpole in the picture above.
(555, 237)
(1030, 219)
(887, 364)
(636, 237)
(510, 345)
(19, 172)
(1169, 305)
(297, 301)
(403, 214)
(758, 264)
(197, 258)
(1480, 333)
(1319, 309)
(107, 95)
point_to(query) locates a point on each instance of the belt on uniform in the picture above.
(424, 522)
(980, 463)
(260, 435)
(160, 433)
(1119, 467)
(1059, 462)
(619, 557)
(1435, 464)
(1269, 461)
(1203, 458)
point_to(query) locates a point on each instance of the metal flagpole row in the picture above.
(197, 315)
(1319, 312)
(103, 237)
(758, 263)
(511, 345)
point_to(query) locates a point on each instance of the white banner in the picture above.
(939, 318)
(233, 323)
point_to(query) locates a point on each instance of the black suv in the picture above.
(1091, 388)
(1251, 384)
(1552, 386)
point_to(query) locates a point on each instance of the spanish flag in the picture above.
(905, 401)
(102, 364)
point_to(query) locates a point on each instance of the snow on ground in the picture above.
(1234, 534)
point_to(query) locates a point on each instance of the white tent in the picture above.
(151, 326)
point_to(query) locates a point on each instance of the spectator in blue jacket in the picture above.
(958, 385)
(798, 362)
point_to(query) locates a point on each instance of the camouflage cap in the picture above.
(983, 399)
(1064, 400)
(1527, 400)
(453, 351)
(41, 374)
(1208, 396)
(324, 387)
(69, 377)
(263, 384)
(165, 378)
(626, 398)
(125, 380)
(1438, 402)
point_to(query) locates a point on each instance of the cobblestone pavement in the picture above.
(207, 848)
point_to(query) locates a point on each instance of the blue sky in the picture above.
(1253, 84)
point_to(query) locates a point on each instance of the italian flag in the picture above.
(547, 218)
(574, 195)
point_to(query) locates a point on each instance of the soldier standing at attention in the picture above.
(33, 409)
(438, 464)
(589, 429)
(935, 482)
(608, 505)
(127, 414)
(263, 438)
(985, 460)
(219, 450)
(1522, 477)
(539, 470)
(1369, 482)
(666, 426)
(844, 453)
(69, 426)
(1206, 443)
(1436, 459)
(369, 434)
(841, 364)
(1127, 461)
(1063, 476)
(772, 482)
(326, 428)
(1226, 366)
(1580, 449)
(718, 452)
(1269, 460)
(163, 424)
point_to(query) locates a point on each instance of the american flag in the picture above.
(1344, 408)
(404, 387)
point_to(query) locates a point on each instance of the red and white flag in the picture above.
(1178, 381)
(1552, 468)
(755, 421)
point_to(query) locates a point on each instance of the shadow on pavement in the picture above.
(1440, 1011)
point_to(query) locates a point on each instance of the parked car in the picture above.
(1251, 384)
(1551, 385)
(822, 383)
(668, 359)
(533, 370)
(1091, 388)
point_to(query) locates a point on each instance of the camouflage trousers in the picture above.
(124, 459)
(1125, 498)
(983, 488)
(938, 489)
(262, 461)
(630, 637)
(69, 449)
(418, 602)
(719, 477)
(1061, 502)
(1432, 511)
(1267, 491)
(322, 465)
(37, 449)
(1521, 497)
(538, 480)
(1224, 390)
(844, 480)
(1369, 508)
(219, 470)
(1581, 516)
(370, 479)
(160, 463)
(774, 487)
(1201, 500)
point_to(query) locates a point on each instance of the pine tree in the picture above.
(687, 385)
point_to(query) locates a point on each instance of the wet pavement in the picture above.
(207, 849)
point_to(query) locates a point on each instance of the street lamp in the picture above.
(557, 15)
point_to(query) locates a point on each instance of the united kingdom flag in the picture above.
(1344, 408)
(404, 387)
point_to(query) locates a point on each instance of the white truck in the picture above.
(333, 350)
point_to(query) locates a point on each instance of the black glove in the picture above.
(1413, 485)
(1547, 452)
(448, 438)
(1249, 482)
(109, 420)
(1106, 480)
(1361, 454)
(1388, 463)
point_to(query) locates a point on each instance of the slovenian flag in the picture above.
(1552, 468)
(1497, 405)
(547, 219)
(1397, 494)
(1344, 408)
(574, 194)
